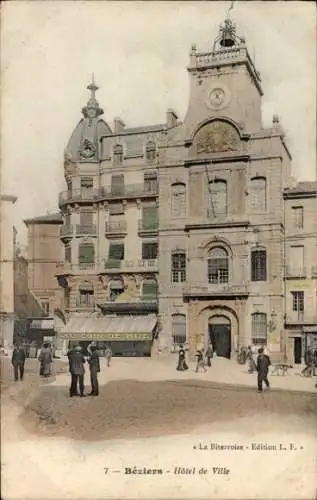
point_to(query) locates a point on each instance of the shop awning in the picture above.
(42, 324)
(121, 328)
(310, 329)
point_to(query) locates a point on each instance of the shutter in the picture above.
(117, 184)
(116, 251)
(86, 254)
(150, 217)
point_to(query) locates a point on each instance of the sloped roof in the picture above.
(55, 218)
(304, 187)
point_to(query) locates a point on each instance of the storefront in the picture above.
(125, 335)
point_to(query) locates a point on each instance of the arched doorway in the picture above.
(219, 334)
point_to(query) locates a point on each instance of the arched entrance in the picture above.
(219, 334)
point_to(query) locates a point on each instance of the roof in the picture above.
(8, 197)
(145, 128)
(306, 187)
(123, 328)
(55, 218)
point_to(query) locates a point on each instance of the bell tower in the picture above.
(224, 83)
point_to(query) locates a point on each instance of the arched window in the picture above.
(178, 208)
(179, 329)
(149, 289)
(217, 198)
(118, 154)
(116, 288)
(258, 194)
(85, 294)
(86, 253)
(218, 266)
(178, 267)
(258, 265)
(150, 151)
(259, 328)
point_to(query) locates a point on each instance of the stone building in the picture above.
(184, 220)
(301, 268)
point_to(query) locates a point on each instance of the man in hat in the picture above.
(94, 366)
(262, 366)
(18, 361)
(77, 370)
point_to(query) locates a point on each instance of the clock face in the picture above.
(217, 98)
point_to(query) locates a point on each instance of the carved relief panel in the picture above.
(217, 136)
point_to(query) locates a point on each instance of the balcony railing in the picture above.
(119, 227)
(147, 226)
(203, 288)
(76, 195)
(66, 230)
(132, 265)
(295, 272)
(68, 268)
(86, 229)
(82, 304)
(108, 193)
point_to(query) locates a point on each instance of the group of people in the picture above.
(77, 361)
(200, 355)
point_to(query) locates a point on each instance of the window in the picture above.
(86, 187)
(150, 182)
(217, 198)
(149, 251)
(179, 329)
(218, 266)
(116, 251)
(68, 253)
(298, 304)
(150, 151)
(116, 288)
(258, 265)
(118, 154)
(150, 217)
(86, 294)
(45, 303)
(117, 184)
(298, 217)
(86, 219)
(178, 208)
(259, 328)
(258, 194)
(149, 289)
(178, 267)
(86, 253)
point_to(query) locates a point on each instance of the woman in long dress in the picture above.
(182, 365)
(45, 359)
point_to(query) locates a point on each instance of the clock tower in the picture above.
(224, 83)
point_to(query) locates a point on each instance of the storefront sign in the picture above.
(132, 337)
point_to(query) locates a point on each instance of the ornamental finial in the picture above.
(92, 110)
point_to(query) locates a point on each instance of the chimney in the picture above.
(118, 126)
(171, 118)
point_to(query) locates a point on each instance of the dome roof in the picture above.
(84, 144)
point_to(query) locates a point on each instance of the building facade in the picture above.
(7, 252)
(186, 220)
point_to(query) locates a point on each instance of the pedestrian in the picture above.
(45, 358)
(94, 366)
(108, 355)
(209, 354)
(262, 366)
(314, 363)
(18, 362)
(182, 365)
(250, 358)
(89, 347)
(200, 360)
(77, 371)
(307, 371)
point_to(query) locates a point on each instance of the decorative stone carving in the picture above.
(87, 149)
(217, 136)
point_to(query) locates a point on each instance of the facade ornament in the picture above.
(92, 109)
(217, 136)
(139, 204)
(276, 120)
(87, 149)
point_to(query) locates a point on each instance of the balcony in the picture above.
(132, 266)
(86, 230)
(300, 318)
(147, 228)
(129, 191)
(295, 272)
(66, 231)
(116, 229)
(203, 290)
(77, 196)
(66, 269)
(314, 272)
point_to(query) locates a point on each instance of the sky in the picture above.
(138, 52)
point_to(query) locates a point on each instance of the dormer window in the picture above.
(150, 151)
(118, 154)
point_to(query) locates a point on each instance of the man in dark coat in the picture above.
(94, 366)
(18, 361)
(77, 370)
(262, 366)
